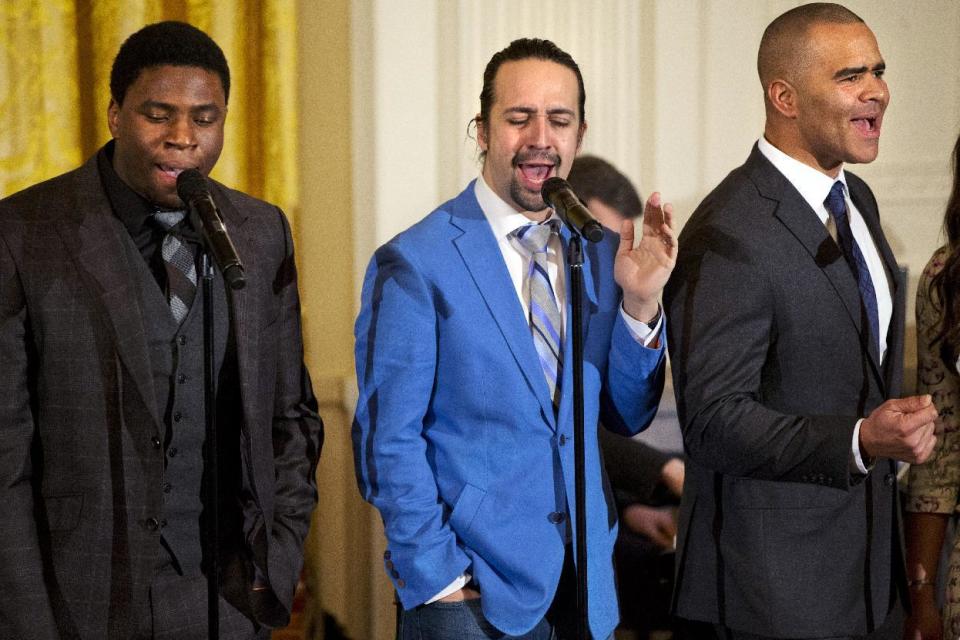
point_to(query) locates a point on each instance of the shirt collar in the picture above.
(130, 207)
(503, 218)
(814, 186)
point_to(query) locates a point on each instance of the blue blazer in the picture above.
(455, 438)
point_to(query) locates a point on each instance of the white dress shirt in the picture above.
(814, 186)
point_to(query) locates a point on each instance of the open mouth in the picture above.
(170, 170)
(868, 125)
(535, 173)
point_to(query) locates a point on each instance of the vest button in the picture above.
(177, 416)
(182, 339)
(401, 583)
(152, 524)
(563, 439)
(557, 517)
(166, 487)
(181, 378)
(155, 441)
(890, 479)
(172, 452)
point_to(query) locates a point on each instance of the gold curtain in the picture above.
(55, 58)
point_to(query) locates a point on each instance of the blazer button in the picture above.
(401, 583)
(390, 564)
(386, 554)
(890, 479)
(563, 439)
(395, 573)
(152, 524)
(557, 517)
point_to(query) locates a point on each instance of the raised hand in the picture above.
(643, 270)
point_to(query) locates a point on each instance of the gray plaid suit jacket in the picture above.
(80, 468)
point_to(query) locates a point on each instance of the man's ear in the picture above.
(113, 117)
(580, 133)
(782, 96)
(481, 132)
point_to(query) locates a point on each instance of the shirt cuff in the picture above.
(459, 583)
(642, 332)
(855, 448)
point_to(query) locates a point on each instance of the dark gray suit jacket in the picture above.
(772, 370)
(80, 463)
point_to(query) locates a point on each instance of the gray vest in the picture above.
(176, 358)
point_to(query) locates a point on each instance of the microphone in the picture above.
(192, 189)
(557, 194)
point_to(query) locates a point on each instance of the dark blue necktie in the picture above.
(836, 204)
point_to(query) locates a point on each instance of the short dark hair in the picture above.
(593, 177)
(174, 43)
(783, 46)
(523, 49)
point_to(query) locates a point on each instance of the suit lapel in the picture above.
(797, 216)
(95, 238)
(244, 317)
(867, 207)
(483, 260)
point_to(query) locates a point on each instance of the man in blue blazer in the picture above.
(463, 436)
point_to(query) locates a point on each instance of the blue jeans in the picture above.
(462, 620)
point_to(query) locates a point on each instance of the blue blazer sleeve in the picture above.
(396, 356)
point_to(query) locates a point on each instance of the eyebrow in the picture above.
(850, 71)
(550, 112)
(154, 104)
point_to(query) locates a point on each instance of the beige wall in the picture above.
(387, 88)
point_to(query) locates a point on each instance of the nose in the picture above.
(181, 133)
(538, 133)
(876, 89)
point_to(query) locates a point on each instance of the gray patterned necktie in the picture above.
(178, 259)
(544, 319)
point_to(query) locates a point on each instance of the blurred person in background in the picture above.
(933, 494)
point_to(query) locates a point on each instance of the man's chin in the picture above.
(527, 200)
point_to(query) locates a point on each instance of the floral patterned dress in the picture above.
(934, 487)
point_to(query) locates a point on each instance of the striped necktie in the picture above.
(836, 204)
(532, 240)
(178, 260)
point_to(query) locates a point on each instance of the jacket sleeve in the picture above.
(720, 314)
(25, 609)
(297, 436)
(634, 380)
(396, 360)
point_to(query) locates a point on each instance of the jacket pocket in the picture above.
(466, 508)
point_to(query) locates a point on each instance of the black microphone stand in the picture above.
(575, 261)
(211, 450)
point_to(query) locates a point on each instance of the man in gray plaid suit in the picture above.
(101, 379)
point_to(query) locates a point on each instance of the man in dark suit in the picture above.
(463, 437)
(786, 347)
(101, 379)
